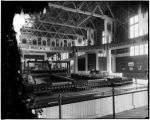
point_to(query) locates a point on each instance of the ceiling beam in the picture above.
(110, 9)
(83, 20)
(79, 11)
(62, 24)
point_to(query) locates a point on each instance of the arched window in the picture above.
(57, 42)
(69, 44)
(79, 40)
(39, 40)
(24, 41)
(48, 42)
(61, 44)
(65, 43)
(53, 44)
(44, 42)
(73, 43)
(34, 42)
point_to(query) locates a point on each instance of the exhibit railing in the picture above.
(61, 99)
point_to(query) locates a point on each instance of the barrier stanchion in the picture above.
(113, 100)
(60, 98)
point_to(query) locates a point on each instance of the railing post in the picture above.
(60, 105)
(113, 101)
(136, 83)
(147, 76)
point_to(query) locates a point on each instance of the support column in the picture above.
(108, 38)
(108, 59)
(86, 62)
(75, 62)
(97, 61)
(113, 64)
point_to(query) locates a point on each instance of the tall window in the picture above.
(134, 26)
(53, 43)
(48, 42)
(44, 42)
(103, 38)
(39, 40)
(146, 48)
(34, 42)
(132, 51)
(65, 43)
(139, 50)
(136, 50)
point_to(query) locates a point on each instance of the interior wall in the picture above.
(134, 66)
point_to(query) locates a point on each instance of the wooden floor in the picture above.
(137, 113)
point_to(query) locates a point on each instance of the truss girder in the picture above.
(87, 12)
(67, 18)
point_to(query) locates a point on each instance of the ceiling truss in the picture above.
(65, 19)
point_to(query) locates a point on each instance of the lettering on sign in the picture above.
(130, 63)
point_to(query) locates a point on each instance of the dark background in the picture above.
(11, 87)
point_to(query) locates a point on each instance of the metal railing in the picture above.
(112, 93)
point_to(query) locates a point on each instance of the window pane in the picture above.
(136, 19)
(132, 51)
(48, 42)
(136, 50)
(39, 40)
(131, 20)
(145, 30)
(131, 31)
(146, 48)
(103, 41)
(136, 30)
(44, 42)
(103, 33)
(141, 50)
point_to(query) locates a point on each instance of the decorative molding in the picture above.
(111, 46)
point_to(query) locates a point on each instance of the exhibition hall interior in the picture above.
(75, 59)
